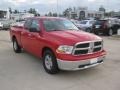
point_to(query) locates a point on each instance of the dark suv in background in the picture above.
(106, 26)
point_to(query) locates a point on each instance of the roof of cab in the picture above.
(45, 17)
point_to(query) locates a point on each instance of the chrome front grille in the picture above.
(87, 47)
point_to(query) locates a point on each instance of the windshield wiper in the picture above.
(56, 30)
(71, 29)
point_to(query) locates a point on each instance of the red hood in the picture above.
(72, 37)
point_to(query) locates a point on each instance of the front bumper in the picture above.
(79, 65)
(100, 30)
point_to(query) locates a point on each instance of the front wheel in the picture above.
(88, 30)
(96, 32)
(50, 62)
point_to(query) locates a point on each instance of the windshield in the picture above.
(92, 22)
(57, 24)
(75, 21)
(83, 22)
(100, 22)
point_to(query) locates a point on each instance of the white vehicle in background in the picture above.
(118, 17)
(1, 26)
(5, 23)
(18, 23)
(114, 22)
(86, 25)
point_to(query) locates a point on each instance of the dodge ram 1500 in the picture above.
(59, 43)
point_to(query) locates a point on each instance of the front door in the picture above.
(25, 35)
(34, 38)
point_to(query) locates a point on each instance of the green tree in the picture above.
(66, 12)
(33, 11)
(10, 10)
(37, 14)
(55, 15)
(16, 11)
(25, 11)
(46, 15)
(50, 14)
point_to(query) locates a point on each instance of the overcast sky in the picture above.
(44, 6)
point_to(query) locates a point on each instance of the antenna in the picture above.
(57, 9)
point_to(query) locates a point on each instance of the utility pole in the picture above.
(57, 9)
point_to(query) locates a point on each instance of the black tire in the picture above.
(16, 47)
(53, 68)
(88, 30)
(96, 32)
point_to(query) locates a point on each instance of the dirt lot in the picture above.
(25, 72)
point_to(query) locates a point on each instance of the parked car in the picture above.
(1, 26)
(5, 23)
(118, 17)
(86, 25)
(18, 23)
(59, 43)
(76, 22)
(106, 26)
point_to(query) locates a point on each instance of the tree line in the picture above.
(31, 10)
(65, 13)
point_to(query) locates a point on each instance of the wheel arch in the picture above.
(47, 48)
(13, 37)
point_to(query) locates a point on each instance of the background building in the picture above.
(84, 13)
(21, 15)
(5, 14)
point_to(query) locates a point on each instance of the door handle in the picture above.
(22, 33)
(29, 35)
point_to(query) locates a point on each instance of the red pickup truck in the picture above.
(59, 43)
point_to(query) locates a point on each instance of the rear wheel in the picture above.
(50, 62)
(16, 47)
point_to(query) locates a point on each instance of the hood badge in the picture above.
(91, 47)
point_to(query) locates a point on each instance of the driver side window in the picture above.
(35, 25)
(28, 24)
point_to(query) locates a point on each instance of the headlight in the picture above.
(64, 49)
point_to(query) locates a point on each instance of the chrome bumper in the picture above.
(79, 65)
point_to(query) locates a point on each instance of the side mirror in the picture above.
(33, 29)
